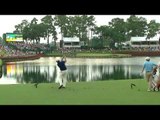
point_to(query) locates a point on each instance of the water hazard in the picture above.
(44, 70)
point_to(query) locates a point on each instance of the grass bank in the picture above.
(103, 55)
(113, 92)
(90, 55)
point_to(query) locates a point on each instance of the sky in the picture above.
(8, 22)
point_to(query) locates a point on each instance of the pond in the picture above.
(45, 70)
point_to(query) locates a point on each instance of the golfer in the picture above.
(148, 66)
(63, 71)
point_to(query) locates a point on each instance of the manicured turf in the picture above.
(113, 92)
(101, 55)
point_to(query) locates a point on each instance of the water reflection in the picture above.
(103, 72)
(45, 70)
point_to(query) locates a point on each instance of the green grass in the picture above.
(92, 55)
(113, 92)
(101, 55)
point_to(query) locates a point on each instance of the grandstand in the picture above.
(142, 42)
(71, 42)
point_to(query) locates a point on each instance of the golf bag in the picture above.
(155, 80)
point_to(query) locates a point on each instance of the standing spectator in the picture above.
(148, 66)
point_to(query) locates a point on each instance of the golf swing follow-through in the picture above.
(63, 71)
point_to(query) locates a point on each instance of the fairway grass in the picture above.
(111, 92)
(102, 55)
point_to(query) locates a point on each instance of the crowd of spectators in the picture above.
(21, 49)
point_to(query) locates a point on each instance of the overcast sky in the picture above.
(8, 22)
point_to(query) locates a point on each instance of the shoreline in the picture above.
(21, 58)
(113, 54)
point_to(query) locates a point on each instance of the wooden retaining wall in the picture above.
(21, 58)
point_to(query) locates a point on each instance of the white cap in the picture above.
(58, 59)
(147, 58)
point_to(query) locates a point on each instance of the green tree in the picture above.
(119, 29)
(97, 43)
(49, 28)
(33, 29)
(70, 30)
(26, 33)
(136, 26)
(19, 28)
(61, 21)
(83, 24)
(104, 33)
(152, 28)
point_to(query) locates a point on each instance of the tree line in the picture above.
(116, 31)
